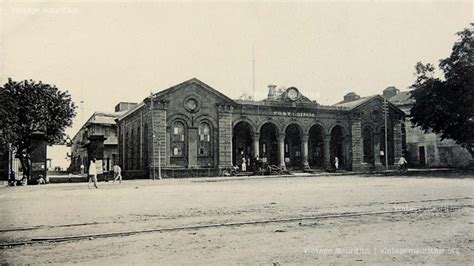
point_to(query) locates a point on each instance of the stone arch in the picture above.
(337, 124)
(292, 146)
(368, 142)
(178, 132)
(207, 118)
(251, 123)
(268, 142)
(300, 125)
(242, 136)
(273, 123)
(337, 146)
(316, 136)
(185, 119)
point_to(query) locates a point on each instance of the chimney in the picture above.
(271, 92)
(351, 96)
(389, 92)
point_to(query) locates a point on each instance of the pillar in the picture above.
(256, 145)
(397, 140)
(357, 151)
(192, 147)
(158, 152)
(281, 150)
(327, 151)
(225, 134)
(304, 148)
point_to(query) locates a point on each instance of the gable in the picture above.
(197, 86)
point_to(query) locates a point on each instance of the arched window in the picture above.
(204, 139)
(177, 146)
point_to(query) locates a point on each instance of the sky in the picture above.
(105, 53)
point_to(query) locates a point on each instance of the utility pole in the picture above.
(153, 138)
(385, 111)
(159, 158)
(253, 71)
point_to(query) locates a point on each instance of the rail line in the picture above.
(38, 227)
(216, 225)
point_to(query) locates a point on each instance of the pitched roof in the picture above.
(174, 88)
(196, 81)
(403, 97)
(104, 118)
(356, 103)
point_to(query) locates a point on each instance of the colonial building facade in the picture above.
(426, 149)
(193, 129)
(98, 138)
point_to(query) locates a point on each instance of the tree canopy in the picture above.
(446, 105)
(27, 107)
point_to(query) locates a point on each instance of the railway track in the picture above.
(230, 224)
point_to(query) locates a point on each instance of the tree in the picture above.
(27, 107)
(446, 105)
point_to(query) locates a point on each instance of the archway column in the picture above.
(378, 163)
(256, 145)
(304, 148)
(281, 150)
(397, 140)
(327, 151)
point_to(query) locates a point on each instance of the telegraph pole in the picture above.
(385, 111)
(153, 138)
(159, 158)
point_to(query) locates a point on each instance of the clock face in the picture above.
(292, 94)
(191, 104)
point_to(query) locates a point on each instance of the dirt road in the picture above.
(343, 219)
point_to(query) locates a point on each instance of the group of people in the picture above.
(93, 173)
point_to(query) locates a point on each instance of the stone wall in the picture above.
(356, 142)
(225, 135)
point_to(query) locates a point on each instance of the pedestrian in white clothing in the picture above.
(92, 173)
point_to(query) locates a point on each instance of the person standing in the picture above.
(244, 165)
(92, 173)
(336, 163)
(402, 162)
(117, 173)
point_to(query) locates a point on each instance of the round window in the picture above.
(191, 105)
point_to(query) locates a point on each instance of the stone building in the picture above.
(426, 149)
(193, 129)
(98, 138)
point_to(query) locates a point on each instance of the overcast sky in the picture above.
(107, 53)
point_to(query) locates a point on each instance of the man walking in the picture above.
(117, 173)
(402, 164)
(92, 173)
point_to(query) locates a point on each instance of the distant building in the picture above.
(192, 129)
(426, 149)
(98, 138)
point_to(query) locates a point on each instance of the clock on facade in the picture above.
(292, 94)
